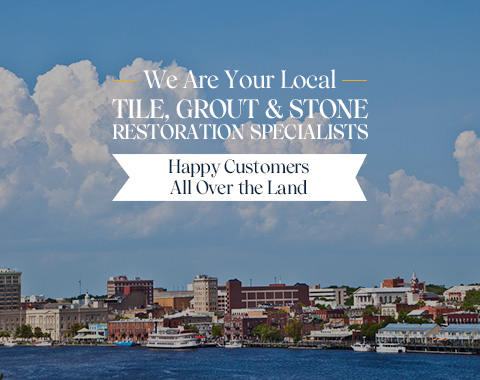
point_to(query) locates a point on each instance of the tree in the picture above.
(389, 319)
(369, 311)
(216, 331)
(294, 329)
(50, 300)
(437, 289)
(38, 332)
(192, 327)
(74, 328)
(266, 333)
(469, 307)
(369, 330)
(354, 326)
(24, 331)
(402, 316)
(350, 290)
(472, 298)
(119, 317)
(440, 320)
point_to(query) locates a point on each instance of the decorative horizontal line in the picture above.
(354, 80)
(124, 80)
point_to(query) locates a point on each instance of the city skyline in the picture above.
(83, 288)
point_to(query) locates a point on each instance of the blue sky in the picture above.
(421, 62)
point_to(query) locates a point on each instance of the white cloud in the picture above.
(18, 112)
(56, 156)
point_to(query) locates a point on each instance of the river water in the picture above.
(219, 363)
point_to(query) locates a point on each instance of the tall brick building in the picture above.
(122, 285)
(239, 296)
(136, 330)
(10, 289)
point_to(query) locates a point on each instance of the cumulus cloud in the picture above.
(18, 112)
(405, 212)
(56, 163)
(57, 142)
(410, 205)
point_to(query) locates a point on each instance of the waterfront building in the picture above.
(98, 329)
(174, 300)
(122, 285)
(205, 294)
(460, 332)
(239, 296)
(56, 319)
(87, 335)
(406, 333)
(461, 317)
(10, 289)
(136, 330)
(336, 296)
(10, 320)
(458, 293)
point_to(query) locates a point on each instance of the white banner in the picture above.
(241, 177)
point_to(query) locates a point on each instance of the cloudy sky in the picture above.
(58, 177)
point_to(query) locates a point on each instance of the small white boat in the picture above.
(362, 346)
(43, 343)
(10, 343)
(233, 344)
(391, 348)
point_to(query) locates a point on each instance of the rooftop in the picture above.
(463, 288)
(10, 271)
(462, 312)
(382, 290)
(460, 327)
(409, 327)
